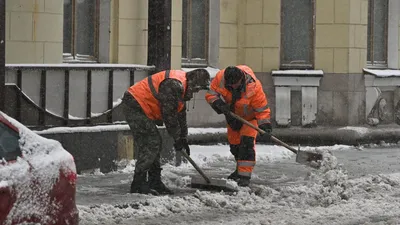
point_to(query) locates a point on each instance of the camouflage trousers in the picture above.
(146, 137)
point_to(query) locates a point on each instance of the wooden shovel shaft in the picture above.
(183, 152)
(263, 132)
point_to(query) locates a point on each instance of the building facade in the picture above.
(330, 62)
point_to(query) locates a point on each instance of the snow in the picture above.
(41, 162)
(383, 72)
(101, 128)
(120, 127)
(325, 196)
(359, 130)
(211, 70)
(81, 65)
(210, 130)
(298, 72)
(4, 184)
(115, 104)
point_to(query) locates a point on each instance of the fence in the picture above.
(47, 95)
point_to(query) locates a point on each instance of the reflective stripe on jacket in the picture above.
(253, 103)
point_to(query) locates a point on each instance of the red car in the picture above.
(37, 178)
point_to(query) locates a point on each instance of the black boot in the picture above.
(234, 176)
(156, 184)
(243, 181)
(139, 184)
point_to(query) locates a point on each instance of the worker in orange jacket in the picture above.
(158, 98)
(236, 89)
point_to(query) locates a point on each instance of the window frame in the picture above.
(73, 57)
(196, 62)
(370, 39)
(302, 66)
(10, 156)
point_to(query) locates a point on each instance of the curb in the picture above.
(314, 136)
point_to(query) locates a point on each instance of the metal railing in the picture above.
(17, 103)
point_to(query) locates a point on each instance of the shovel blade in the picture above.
(214, 185)
(312, 159)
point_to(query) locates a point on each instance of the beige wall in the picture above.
(228, 39)
(399, 45)
(129, 31)
(249, 33)
(261, 34)
(34, 31)
(176, 34)
(341, 35)
(129, 23)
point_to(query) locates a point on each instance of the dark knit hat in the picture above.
(232, 75)
(199, 78)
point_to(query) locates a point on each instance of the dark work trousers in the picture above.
(146, 137)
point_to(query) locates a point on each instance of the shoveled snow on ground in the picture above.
(324, 196)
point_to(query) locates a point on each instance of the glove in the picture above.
(220, 106)
(181, 144)
(233, 122)
(267, 128)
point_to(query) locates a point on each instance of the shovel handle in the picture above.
(274, 139)
(183, 152)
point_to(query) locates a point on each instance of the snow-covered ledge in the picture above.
(376, 81)
(287, 80)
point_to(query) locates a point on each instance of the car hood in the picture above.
(33, 176)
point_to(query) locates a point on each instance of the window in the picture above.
(377, 33)
(297, 38)
(9, 145)
(195, 22)
(81, 26)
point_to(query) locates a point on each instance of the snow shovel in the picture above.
(311, 159)
(207, 183)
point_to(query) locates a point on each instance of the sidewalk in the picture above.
(322, 135)
(99, 146)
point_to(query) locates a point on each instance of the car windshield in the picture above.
(9, 145)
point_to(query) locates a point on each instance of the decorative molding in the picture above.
(376, 81)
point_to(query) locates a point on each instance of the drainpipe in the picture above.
(159, 34)
(2, 54)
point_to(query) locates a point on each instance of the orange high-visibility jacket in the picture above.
(145, 92)
(253, 103)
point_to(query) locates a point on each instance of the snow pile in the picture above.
(194, 130)
(325, 186)
(41, 164)
(359, 130)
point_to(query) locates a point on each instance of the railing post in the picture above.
(66, 97)
(131, 77)
(18, 116)
(42, 112)
(2, 54)
(88, 96)
(110, 95)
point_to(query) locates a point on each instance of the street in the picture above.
(363, 189)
